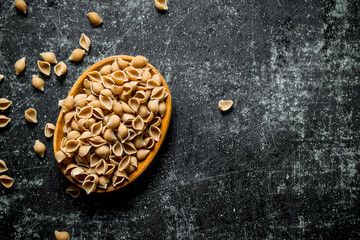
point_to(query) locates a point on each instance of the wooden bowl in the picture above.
(142, 165)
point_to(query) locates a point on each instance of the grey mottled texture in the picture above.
(282, 165)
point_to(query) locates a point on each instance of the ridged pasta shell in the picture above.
(84, 150)
(101, 167)
(150, 142)
(126, 108)
(109, 135)
(96, 88)
(60, 69)
(139, 142)
(117, 149)
(20, 66)
(85, 42)
(161, 5)
(38, 83)
(116, 90)
(105, 70)
(123, 133)
(114, 121)
(225, 105)
(72, 146)
(39, 148)
(31, 115)
(122, 63)
(121, 173)
(158, 93)
(103, 181)
(96, 141)
(138, 123)
(80, 97)
(155, 133)
(4, 104)
(49, 130)
(21, 6)
(98, 113)
(68, 117)
(143, 111)
(129, 148)
(133, 161)
(4, 120)
(134, 104)
(3, 167)
(153, 106)
(6, 181)
(117, 107)
(96, 128)
(119, 77)
(138, 61)
(85, 112)
(125, 163)
(103, 151)
(142, 154)
(49, 57)
(60, 156)
(108, 82)
(95, 76)
(162, 108)
(73, 191)
(114, 66)
(132, 73)
(94, 19)
(77, 55)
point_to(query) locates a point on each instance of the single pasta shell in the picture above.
(3, 167)
(31, 115)
(20, 66)
(49, 130)
(162, 108)
(60, 69)
(1, 77)
(129, 148)
(62, 235)
(225, 105)
(67, 104)
(114, 121)
(114, 66)
(109, 135)
(84, 149)
(95, 76)
(161, 5)
(105, 70)
(73, 191)
(138, 123)
(39, 148)
(142, 154)
(94, 18)
(92, 178)
(60, 156)
(122, 63)
(153, 106)
(103, 151)
(103, 181)
(108, 82)
(101, 167)
(72, 145)
(117, 149)
(6, 181)
(21, 6)
(107, 93)
(96, 128)
(125, 163)
(155, 133)
(85, 112)
(138, 61)
(77, 55)
(49, 57)
(44, 67)
(38, 83)
(118, 108)
(146, 76)
(132, 73)
(4, 104)
(85, 42)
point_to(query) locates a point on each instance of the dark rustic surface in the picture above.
(282, 165)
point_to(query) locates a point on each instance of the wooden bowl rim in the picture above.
(58, 134)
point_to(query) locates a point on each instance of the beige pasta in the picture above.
(31, 115)
(138, 62)
(142, 154)
(105, 70)
(20, 66)
(6, 181)
(49, 57)
(49, 130)
(60, 69)
(1, 77)
(85, 42)
(61, 235)
(225, 105)
(3, 167)
(38, 83)
(4, 104)
(94, 18)
(39, 148)
(77, 55)
(73, 191)
(21, 6)
(161, 5)
(44, 67)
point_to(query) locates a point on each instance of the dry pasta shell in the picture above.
(20, 66)
(109, 135)
(162, 108)
(4, 104)
(122, 63)
(114, 121)
(67, 104)
(138, 123)
(73, 191)
(125, 163)
(146, 76)
(149, 118)
(21, 6)
(38, 83)
(153, 106)
(134, 104)
(110, 170)
(72, 146)
(155, 133)
(123, 132)
(89, 186)
(98, 113)
(3, 167)
(84, 150)
(151, 84)
(128, 88)
(129, 148)
(107, 93)
(157, 78)
(81, 161)
(225, 105)
(85, 112)
(31, 115)
(103, 181)
(6, 181)
(116, 180)
(92, 178)
(132, 73)
(70, 167)
(94, 19)
(97, 141)
(105, 70)
(68, 117)
(85, 42)
(114, 66)
(115, 160)
(73, 135)
(150, 142)
(103, 151)
(141, 95)
(127, 117)
(139, 142)
(143, 111)
(39, 148)
(118, 108)
(161, 5)
(121, 173)
(108, 82)
(105, 102)
(80, 97)
(138, 62)
(60, 156)
(49, 57)
(126, 108)
(95, 76)
(96, 128)
(44, 67)
(94, 160)
(156, 121)
(117, 149)
(116, 90)
(142, 154)
(101, 167)
(49, 130)
(132, 134)
(77, 55)
(60, 69)
(158, 93)
(119, 77)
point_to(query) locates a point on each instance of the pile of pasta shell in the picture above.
(111, 123)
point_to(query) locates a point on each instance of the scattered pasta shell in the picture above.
(94, 18)
(85, 42)
(3, 167)
(1, 77)
(44, 67)
(62, 235)
(20, 66)
(49, 57)
(6, 181)
(60, 69)
(4, 104)
(161, 5)
(77, 55)
(31, 115)
(225, 105)
(138, 62)
(73, 191)
(39, 148)
(38, 83)
(21, 6)
(142, 154)
(49, 130)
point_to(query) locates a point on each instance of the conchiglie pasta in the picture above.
(49, 57)
(85, 42)
(44, 67)
(31, 115)
(20, 66)
(4, 104)
(60, 69)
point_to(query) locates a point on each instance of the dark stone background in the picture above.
(282, 165)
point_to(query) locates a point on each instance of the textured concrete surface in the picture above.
(284, 164)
